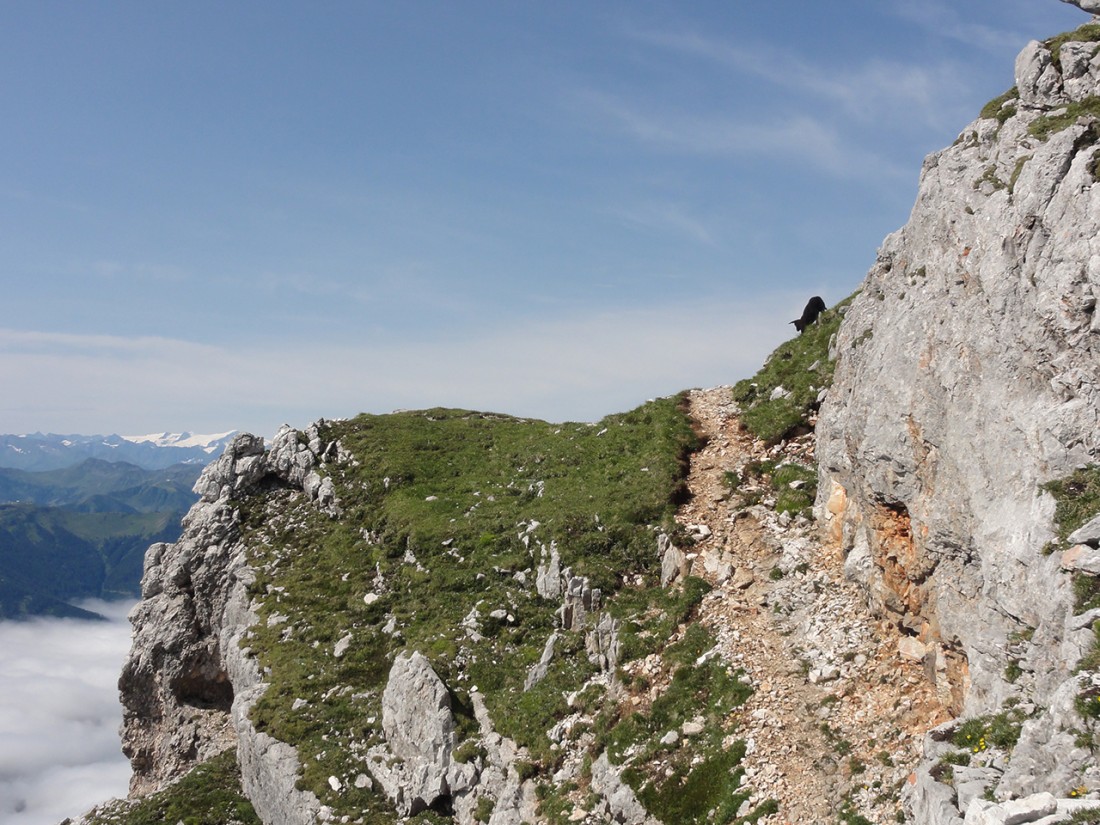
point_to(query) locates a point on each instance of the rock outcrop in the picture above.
(417, 768)
(188, 684)
(413, 767)
(968, 376)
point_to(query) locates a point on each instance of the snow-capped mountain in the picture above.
(208, 443)
(52, 451)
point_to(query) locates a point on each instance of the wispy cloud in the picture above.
(797, 139)
(871, 91)
(667, 217)
(59, 716)
(943, 20)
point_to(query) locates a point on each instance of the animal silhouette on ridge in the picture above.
(814, 307)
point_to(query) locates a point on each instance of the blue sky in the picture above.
(234, 215)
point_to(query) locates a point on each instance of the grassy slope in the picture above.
(455, 490)
(801, 367)
(208, 795)
(49, 555)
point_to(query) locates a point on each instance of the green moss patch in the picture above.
(209, 795)
(1046, 125)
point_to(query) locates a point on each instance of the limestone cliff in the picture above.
(968, 376)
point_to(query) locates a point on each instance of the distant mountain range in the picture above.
(78, 512)
(51, 451)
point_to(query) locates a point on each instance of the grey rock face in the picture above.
(416, 767)
(578, 600)
(623, 805)
(187, 686)
(968, 376)
(548, 579)
(419, 730)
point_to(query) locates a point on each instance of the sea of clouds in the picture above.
(60, 752)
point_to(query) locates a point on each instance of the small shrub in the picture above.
(1077, 499)
(484, 809)
(1001, 108)
(1088, 705)
(1046, 125)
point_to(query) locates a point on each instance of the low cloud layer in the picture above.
(60, 715)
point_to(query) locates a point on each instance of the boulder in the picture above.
(1083, 559)
(673, 561)
(413, 765)
(1088, 534)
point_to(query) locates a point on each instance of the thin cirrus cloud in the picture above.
(672, 218)
(60, 714)
(942, 19)
(797, 138)
(870, 92)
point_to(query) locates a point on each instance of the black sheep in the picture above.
(814, 307)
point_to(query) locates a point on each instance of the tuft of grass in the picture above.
(1001, 108)
(209, 795)
(1086, 816)
(1091, 660)
(1077, 499)
(1090, 32)
(1046, 125)
(798, 499)
(1019, 168)
(1000, 730)
(1086, 592)
(990, 176)
(789, 367)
